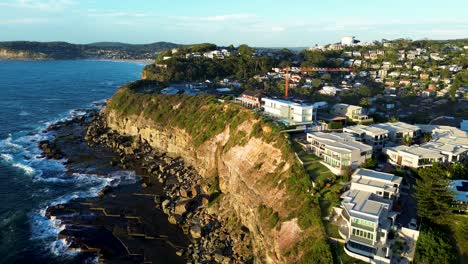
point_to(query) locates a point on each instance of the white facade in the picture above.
(352, 112)
(347, 41)
(413, 156)
(338, 150)
(398, 130)
(367, 211)
(290, 112)
(372, 136)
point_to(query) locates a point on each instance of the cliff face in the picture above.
(6, 54)
(255, 172)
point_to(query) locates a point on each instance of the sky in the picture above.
(261, 23)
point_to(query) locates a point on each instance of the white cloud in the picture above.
(111, 13)
(23, 21)
(278, 29)
(226, 17)
(41, 5)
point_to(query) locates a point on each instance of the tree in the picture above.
(364, 91)
(316, 83)
(364, 102)
(245, 50)
(433, 194)
(407, 140)
(434, 247)
(369, 164)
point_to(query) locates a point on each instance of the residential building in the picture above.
(368, 215)
(353, 112)
(338, 150)
(251, 99)
(412, 156)
(288, 112)
(398, 130)
(372, 136)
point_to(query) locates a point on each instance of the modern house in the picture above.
(251, 99)
(338, 151)
(460, 189)
(352, 112)
(398, 131)
(368, 216)
(288, 112)
(373, 136)
(413, 156)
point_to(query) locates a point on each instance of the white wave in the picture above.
(24, 113)
(7, 157)
(8, 144)
(27, 169)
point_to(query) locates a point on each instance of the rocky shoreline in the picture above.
(175, 190)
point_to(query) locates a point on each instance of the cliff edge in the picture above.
(259, 180)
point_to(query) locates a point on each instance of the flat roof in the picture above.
(287, 102)
(340, 142)
(361, 205)
(365, 129)
(395, 127)
(417, 151)
(378, 176)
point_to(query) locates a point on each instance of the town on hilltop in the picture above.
(381, 127)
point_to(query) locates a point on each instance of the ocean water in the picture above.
(34, 94)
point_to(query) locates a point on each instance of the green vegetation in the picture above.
(180, 69)
(434, 247)
(433, 195)
(268, 216)
(441, 227)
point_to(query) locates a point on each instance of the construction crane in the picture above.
(311, 69)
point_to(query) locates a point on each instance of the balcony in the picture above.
(362, 240)
(363, 227)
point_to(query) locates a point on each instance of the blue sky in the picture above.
(255, 22)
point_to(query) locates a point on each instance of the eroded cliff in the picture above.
(263, 186)
(6, 54)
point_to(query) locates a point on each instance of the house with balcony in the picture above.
(413, 156)
(352, 112)
(338, 151)
(251, 99)
(288, 112)
(372, 136)
(398, 131)
(368, 216)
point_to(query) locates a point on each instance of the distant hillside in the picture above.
(100, 50)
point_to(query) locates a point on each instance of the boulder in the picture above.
(182, 207)
(175, 219)
(195, 231)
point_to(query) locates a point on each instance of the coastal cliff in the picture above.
(258, 180)
(6, 54)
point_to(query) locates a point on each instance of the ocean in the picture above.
(33, 95)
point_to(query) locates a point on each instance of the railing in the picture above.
(368, 228)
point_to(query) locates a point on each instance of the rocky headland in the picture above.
(226, 177)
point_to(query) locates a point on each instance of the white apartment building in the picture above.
(398, 130)
(413, 156)
(338, 150)
(353, 112)
(289, 112)
(449, 141)
(368, 216)
(372, 136)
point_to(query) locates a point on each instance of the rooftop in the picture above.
(362, 204)
(396, 127)
(366, 129)
(417, 151)
(340, 142)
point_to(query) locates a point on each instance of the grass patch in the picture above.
(268, 216)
